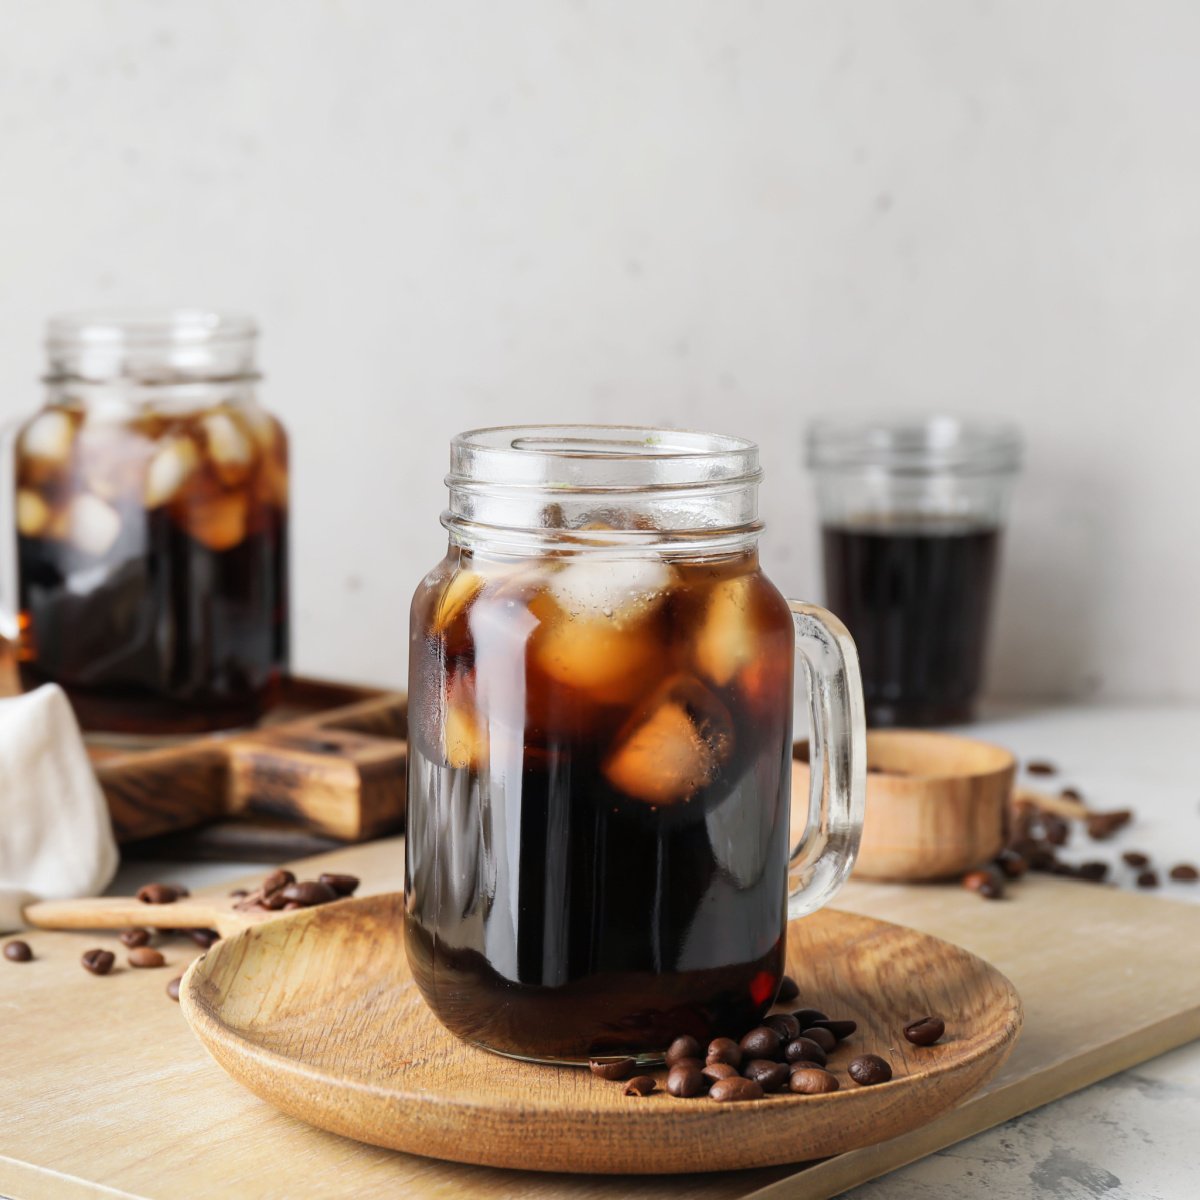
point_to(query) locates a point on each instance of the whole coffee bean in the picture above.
(788, 990)
(805, 1065)
(784, 1024)
(812, 1082)
(135, 935)
(840, 1029)
(203, 937)
(724, 1050)
(1011, 864)
(685, 1046)
(822, 1036)
(735, 1088)
(344, 885)
(719, 1070)
(1070, 793)
(308, 893)
(761, 1043)
(1093, 871)
(925, 1030)
(273, 901)
(770, 1076)
(277, 881)
(616, 1068)
(993, 889)
(639, 1085)
(173, 988)
(1041, 767)
(1147, 879)
(808, 1017)
(1134, 858)
(687, 1082)
(869, 1069)
(1101, 826)
(1057, 831)
(158, 893)
(99, 962)
(1185, 873)
(145, 956)
(975, 881)
(804, 1049)
(17, 951)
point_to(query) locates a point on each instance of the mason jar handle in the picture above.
(825, 853)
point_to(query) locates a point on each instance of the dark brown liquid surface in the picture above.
(916, 600)
(598, 809)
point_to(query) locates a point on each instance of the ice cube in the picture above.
(457, 595)
(463, 738)
(48, 437)
(92, 525)
(229, 446)
(169, 470)
(33, 513)
(618, 588)
(674, 746)
(726, 641)
(219, 521)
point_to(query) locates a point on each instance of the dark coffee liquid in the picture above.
(170, 636)
(916, 599)
(552, 913)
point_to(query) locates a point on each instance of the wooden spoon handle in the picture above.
(117, 912)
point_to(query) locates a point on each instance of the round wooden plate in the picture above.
(317, 1014)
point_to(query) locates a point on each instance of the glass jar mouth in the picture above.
(151, 346)
(915, 445)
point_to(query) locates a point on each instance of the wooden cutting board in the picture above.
(116, 1097)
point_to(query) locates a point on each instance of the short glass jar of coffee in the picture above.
(911, 518)
(150, 504)
(600, 720)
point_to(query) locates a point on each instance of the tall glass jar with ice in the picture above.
(600, 713)
(150, 503)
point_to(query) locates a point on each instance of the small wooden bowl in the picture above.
(937, 804)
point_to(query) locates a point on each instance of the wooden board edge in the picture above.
(833, 1176)
(44, 1183)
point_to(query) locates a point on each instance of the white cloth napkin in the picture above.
(56, 840)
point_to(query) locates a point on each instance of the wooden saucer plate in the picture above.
(317, 1014)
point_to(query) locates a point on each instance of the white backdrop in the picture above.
(732, 215)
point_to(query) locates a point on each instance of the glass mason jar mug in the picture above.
(150, 501)
(600, 713)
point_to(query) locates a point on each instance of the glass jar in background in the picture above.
(600, 748)
(150, 503)
(911, 515)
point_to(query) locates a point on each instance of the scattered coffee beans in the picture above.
(805, 1065)
(640, 1085)
(812, 1082)
(173, 988)
(724, 1050)
(992, 890)
(925, 1030)
(974, 880)
(719, 1070)
(1101, 826)
(1011, 864)
(809, 1017)
(822, 1036)
(203, 938)
(1093, 871)
(238, 893)
(277, 881)
(784, 1024)
(683, 1047)
(134, 936)
(1055, 830)
(804, 1049)
(1041, 767)
(308, 893)
(273, 901)
(769, 1075)
(869, 1069)
(1135, 858)
(618, 1068)
(17, 951)
(1070, 793)
(686, 1081)
(734, 1089)
(145, 956)
(98, 962)
(840, 1029)
(159, 893)
(343, 885)
(1185, 873)
(760, 1043)
(788, 990)
(1147, 879)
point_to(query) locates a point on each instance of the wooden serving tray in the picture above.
(294, 1009)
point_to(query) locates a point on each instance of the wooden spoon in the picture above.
(119, 912)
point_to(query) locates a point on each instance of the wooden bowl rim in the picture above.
(1005, 760)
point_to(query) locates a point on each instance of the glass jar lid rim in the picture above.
(917, 444)
(148, 327)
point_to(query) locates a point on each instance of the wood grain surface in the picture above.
(117, 1097)
(318, 1014)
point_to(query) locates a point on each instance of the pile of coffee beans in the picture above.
(282, 892)
(788, 1052)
